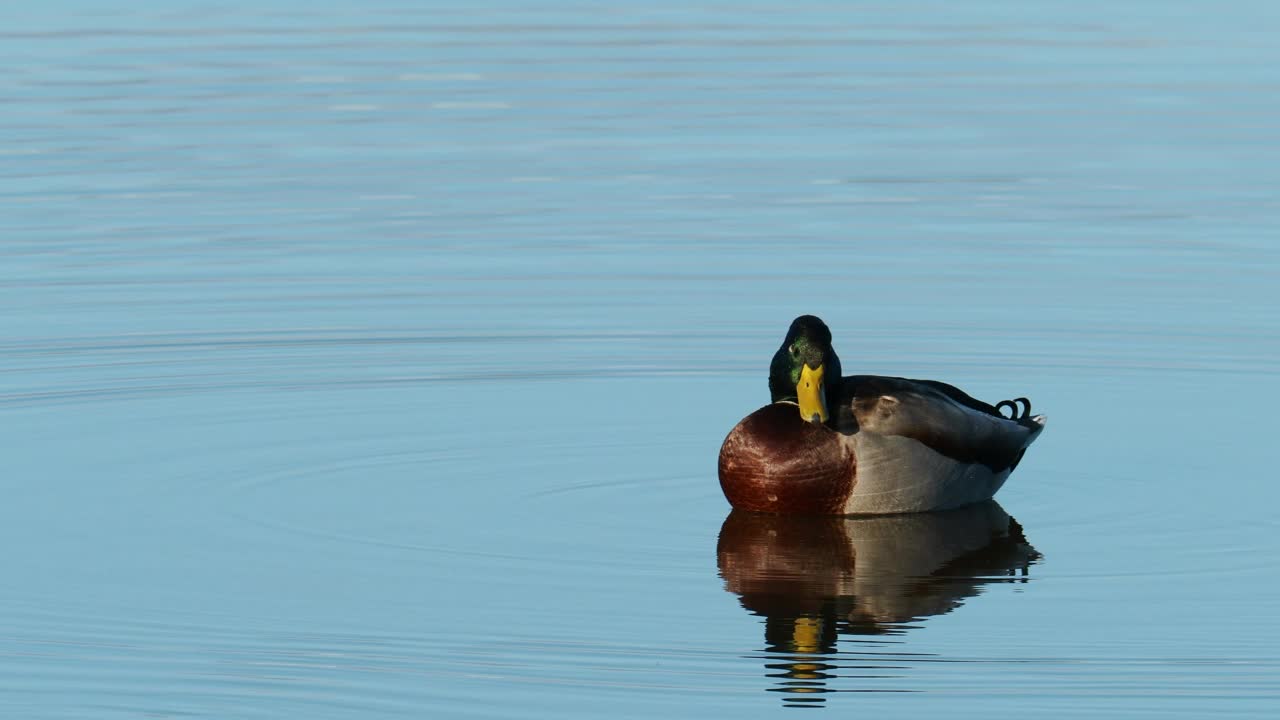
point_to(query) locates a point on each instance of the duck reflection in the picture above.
(816, 578)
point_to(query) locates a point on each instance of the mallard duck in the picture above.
(865, 444)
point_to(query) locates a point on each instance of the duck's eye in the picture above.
(794, 351)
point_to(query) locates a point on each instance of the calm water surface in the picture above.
(373, 361)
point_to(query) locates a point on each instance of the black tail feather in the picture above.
(1019, 408)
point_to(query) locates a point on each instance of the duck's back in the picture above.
(924, 445)
(939, 416)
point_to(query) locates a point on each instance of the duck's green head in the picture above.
(806, 369)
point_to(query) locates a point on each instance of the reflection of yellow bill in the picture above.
(806, 636)
(813, 401)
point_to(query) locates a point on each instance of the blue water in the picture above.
(372, 360)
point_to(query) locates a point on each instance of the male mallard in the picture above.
(865, 444)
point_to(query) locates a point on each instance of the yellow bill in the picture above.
(810, 393)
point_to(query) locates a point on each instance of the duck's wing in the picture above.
(939, 416)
